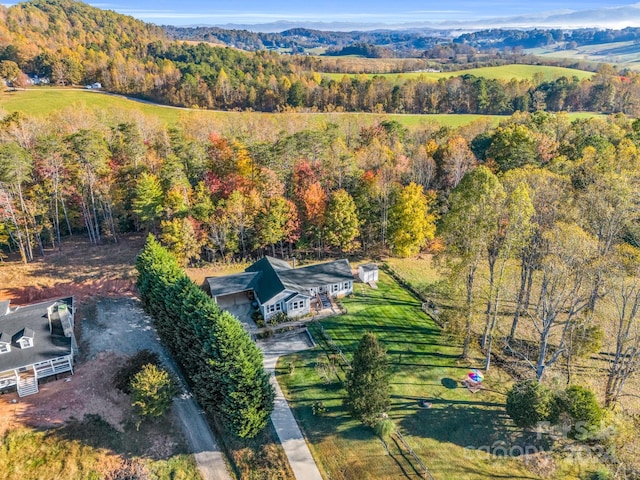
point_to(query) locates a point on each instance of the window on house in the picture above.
(294, 306)
(278, 307)
(4, 348)
(346, 285)
(271, 308)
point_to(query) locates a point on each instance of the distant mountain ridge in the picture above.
(615, 17)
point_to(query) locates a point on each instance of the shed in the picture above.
(368, 272)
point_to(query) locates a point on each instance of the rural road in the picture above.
(302, 463)
(120, 325)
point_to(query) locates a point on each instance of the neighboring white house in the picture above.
(36, 341)
(368, 273)
(277, 287)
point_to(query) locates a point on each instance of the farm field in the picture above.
(425, 365)
(46, 101)
(504, 72)
(623, 54)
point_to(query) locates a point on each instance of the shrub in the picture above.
(152, 390)
(123, 377)
(384, 428)
(601, 474)
(528, 403)
(588, 341)
(581, 405)
(318, 408)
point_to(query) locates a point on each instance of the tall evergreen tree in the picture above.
(367, 382)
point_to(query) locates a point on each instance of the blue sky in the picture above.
(384, 11)
(190, 12)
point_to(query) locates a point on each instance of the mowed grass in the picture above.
(45, 101)
(426, 365)
(502, 72)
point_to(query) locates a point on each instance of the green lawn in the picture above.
(43, 101)
(503, 72)
(425, 365)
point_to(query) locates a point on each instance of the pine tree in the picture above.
(147, 204)
(152, 390)
(367, 382)
(247, 396)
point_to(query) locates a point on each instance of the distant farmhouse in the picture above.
(36, 341)
(277, 287)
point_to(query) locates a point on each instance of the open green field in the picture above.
(425, 365)
(623, 54)
(504, 72)
(45, 101)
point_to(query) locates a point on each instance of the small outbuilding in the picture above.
(368, 273)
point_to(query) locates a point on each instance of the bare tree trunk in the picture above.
(519, 299)
(469, 313)
(95, 214)
(66, 215)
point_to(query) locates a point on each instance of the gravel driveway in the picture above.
(121, 326)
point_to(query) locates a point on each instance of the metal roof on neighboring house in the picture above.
(33, 320)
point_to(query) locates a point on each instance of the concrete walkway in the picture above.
(302, 463)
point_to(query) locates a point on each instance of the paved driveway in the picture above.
(302, 463)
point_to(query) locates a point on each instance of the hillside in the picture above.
(72, 43)
(53, 25)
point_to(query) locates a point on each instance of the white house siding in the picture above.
(43, 369)
(298, 306)
(340, 289)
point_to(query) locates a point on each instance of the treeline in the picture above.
(363, 49)
(223, 366)
(501, 38)
(298, 39)
(216, 192)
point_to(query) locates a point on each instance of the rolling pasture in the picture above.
(44, 101)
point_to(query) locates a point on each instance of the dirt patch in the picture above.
(79, 269)
(87, 392)
(85, 405)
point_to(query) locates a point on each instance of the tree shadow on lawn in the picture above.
(467, 424)
(92, 430)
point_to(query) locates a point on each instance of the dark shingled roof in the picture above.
(46, 346)
(269, 284)
(229, 284)
(270, 276)
(369, 267)
(310, 276)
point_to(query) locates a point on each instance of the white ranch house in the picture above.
(36, 341)
(277, 287)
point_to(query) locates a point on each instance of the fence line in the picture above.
(425, 471)
(327, 338)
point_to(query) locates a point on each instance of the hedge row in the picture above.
(222, 364)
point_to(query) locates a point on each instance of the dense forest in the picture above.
(60, 40)
(299, 39)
